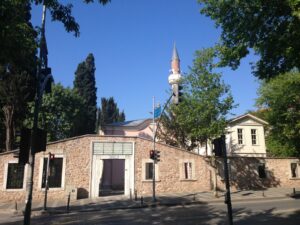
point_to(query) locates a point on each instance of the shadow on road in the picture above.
(181, 214)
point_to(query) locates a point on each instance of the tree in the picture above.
(15, 92)
(85, 86)
(17, 40)
(63, 13)
(17, 65)
(109, 112)
(270, 28)
(59, 112)
(281, 96)
(201, 116)
(18, 44)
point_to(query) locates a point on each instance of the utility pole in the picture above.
(47, 181)
(227, 194)
(154, 160)
(42, 65)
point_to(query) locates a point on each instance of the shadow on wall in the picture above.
(234, 148)
(82, 193)
(145, 135)
(248, 173)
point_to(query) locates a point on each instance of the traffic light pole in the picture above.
(155, 128)
(154, 161)
(227, 194)
(47, 181)
(39, 92)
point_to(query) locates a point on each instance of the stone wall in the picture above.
(77, 152)
(244, 173)
(169, 171)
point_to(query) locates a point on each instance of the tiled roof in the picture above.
(131, 123)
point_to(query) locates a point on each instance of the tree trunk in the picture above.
(8, 122)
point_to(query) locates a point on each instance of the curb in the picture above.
(146, 205)
(158, 204)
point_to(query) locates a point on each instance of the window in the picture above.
(253, 136)
(294, 170)
(240, 136)
(149, 171)
(187, 168)
(55, 173)
(15, 176)
(262, 170)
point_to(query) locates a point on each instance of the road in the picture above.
(274, 212)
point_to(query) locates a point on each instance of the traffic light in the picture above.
(217, 146)
(24, 146)
(152, 154)
(44, 73)
(157, 156)
(52, 157)
(180, 93)
(177, 93)
(175, 99)
(39, 141)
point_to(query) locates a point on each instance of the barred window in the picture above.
(15, 176)
(55, 173)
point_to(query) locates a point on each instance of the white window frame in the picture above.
(187, 170)
(182, 166)
(58, 155)
(6, 173)
(144, 161)
(238, 138)
(256, 136)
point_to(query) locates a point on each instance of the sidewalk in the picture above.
(122, 202)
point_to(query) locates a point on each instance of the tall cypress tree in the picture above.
(85, 85)
(109, 112)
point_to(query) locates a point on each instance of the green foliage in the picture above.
(270, 28)
(206, 102)
(279, 149)
(85, 86)
(260, 113)
(59, 112)
(109, 112)
(17, 64)
(16, 90)
(281, 96)
(17, 39)
(63, 13)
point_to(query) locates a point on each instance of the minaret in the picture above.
(175, 75)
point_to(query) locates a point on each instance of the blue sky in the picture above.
(132, 42)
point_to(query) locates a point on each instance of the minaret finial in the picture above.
(175, 53)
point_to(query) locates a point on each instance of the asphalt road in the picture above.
(273, 212)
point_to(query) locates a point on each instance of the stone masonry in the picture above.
(77, 164)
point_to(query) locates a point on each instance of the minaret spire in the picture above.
(175, 53)
(175, 62)
(175, 75)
